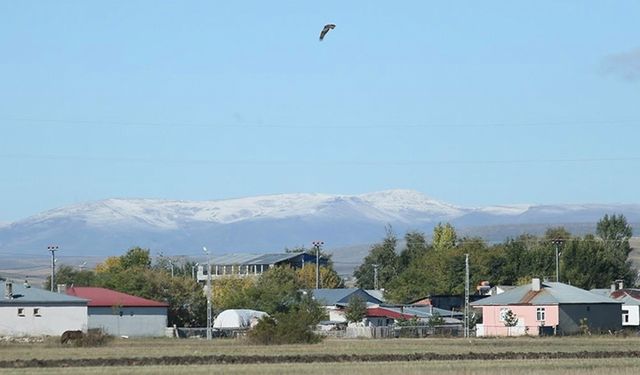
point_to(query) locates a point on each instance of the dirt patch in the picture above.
(320, 358)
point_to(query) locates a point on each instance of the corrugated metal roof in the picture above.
(551, 293)
(242, 259)
(32, 295)
(330, 297)
(102, 297)
(626, 296)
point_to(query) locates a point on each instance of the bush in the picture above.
(295, 326)
(94, 337)
(290, 328)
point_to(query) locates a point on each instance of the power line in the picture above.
(143, 160)
(306, 126)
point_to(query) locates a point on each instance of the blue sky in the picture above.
(470, 102)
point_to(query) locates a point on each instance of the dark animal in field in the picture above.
(71, 336)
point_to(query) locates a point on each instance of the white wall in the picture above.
(52, 320)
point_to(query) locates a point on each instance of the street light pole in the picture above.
(53, 250)
(557, 242)
(209, 325)
(317, 245)
(466, 296)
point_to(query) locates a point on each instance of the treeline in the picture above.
(276, 291)
(422, 268)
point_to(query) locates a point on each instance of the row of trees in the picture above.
(422, 268)
(276, 291)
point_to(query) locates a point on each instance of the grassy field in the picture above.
(122, 348)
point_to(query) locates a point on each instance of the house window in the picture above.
(540, 314)
(625, 316)
(20, 311)
(503, 313)
(36, 311)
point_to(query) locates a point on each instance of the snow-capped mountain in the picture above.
(272, 223)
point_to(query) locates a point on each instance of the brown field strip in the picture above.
(327, 358)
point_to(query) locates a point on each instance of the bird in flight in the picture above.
(326, 29)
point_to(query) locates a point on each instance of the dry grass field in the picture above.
(193, 348)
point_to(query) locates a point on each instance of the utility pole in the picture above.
(466, 296)
(557, 242)
(317, 245)
(209, 322)
(53, 249)
(375, 276)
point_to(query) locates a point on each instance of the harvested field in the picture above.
(519, 367)
(353, 356)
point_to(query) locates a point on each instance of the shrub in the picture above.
(93, 338)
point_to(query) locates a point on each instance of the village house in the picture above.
(630, 299)
(31, 311)
(121, 314)
(547, 308)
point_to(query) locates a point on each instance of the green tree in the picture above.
(444, 237)
(69, 276)
(356, 309)
(329, 278)
(416, 247)
(385, 257)
(510, 320)
(136, 257)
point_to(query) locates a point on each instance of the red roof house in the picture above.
(122, 314)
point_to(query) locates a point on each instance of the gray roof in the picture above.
(330, 297)
(550, 293)
(233, 259)
(23, 295)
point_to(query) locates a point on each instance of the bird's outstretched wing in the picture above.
(326, 29)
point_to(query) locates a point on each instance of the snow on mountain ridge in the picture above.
(384, 205)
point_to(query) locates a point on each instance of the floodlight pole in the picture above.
(53, 250)
(209, 325)
(317, 245)
(466, 296)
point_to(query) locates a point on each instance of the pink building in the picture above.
(546, 308)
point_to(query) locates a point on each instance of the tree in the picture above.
(329, 278)
(136, 257)
(384, 256)
(416, 247)
(69, 276)
(510, 320)
(356, 309)
(435, 320)
(444, 237)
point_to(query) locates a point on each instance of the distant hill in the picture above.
(272, 223)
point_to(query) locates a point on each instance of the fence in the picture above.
(387, 332)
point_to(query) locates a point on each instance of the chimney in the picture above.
(8, 290)
(613, 287)
(62, 288)
(535, 284)
(620, 284)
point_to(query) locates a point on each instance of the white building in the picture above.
(30, 311)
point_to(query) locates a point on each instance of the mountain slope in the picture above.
(272, 223)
